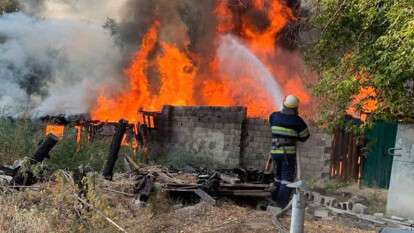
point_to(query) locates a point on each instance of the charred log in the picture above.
(23, 174)
(114, 149)
(43, 150)
(8, 171)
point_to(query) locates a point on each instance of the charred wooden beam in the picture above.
(8, 171)
(43, 150)
(108, 171)
(26, 176)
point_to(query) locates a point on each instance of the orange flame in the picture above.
(55, 129)
(179, 81)
(126, 104)
(363, 103)
(263, 42)
(78, 130)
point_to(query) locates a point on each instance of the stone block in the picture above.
(321, 213)
(359, 208)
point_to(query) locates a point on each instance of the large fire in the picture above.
(180, 81)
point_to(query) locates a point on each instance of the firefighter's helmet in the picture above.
(291, 101)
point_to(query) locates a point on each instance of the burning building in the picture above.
(185, 69)
(182, 53)
(231, 60)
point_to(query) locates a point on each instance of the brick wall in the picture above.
(228, 138)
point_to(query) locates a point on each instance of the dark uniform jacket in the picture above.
(287, 129)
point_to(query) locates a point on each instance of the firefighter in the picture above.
(287, 128)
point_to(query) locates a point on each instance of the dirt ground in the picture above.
(53, 207)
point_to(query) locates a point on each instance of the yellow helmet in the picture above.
(291, 101)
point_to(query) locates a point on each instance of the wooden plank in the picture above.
(229, 179)
(246, 193)
(244, 185)
(347, 157)
(180, 185)
(132, 162)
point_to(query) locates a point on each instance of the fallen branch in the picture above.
(119, 192)
(23, 186)
(101, 214)
(132, 162)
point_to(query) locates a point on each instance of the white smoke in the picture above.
(94, 11)
(62, 58)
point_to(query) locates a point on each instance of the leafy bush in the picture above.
(364, 44)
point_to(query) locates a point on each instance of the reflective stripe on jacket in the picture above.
(286, 130)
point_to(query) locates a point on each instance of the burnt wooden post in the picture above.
(43, 150)
(27, 177)
(108, 171)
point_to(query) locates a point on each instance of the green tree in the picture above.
(364, 43)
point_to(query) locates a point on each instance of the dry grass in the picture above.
(376, 197)
(53, 208)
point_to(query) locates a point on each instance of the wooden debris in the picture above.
(164, 178)
(23, 174)
(229, 179)
(143, 188)
(205, 197)
(45, 147)
(132, 162)
(8, 171)
(245, 193)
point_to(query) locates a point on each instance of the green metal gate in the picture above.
(377, 164)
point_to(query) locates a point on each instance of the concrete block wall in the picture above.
(314, 154)
(203, 132)
(256, 143)
(228, 138)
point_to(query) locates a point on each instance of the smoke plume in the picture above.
(54, 61)
(68, 56)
